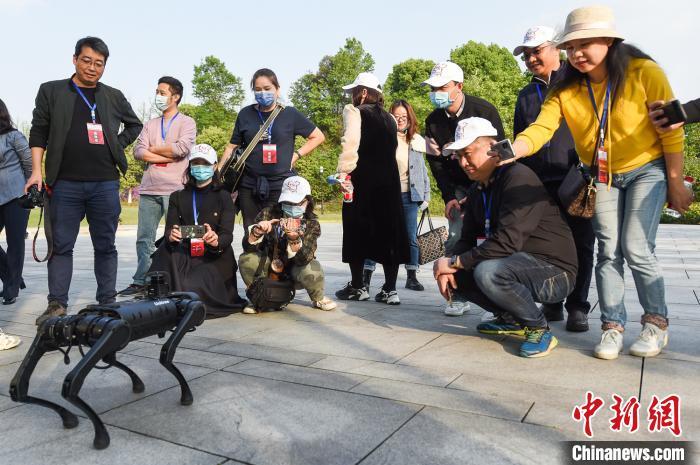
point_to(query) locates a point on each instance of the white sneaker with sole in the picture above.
(610, 345)
(248, 310)
(456, 308)
(325, 304)
(650, 341)
(7, 341)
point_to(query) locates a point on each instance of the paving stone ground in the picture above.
(364, 384)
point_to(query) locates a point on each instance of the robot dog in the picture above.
(107, 329)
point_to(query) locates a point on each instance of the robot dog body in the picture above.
(107, 329)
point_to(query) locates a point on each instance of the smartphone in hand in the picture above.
(504, 149)
(674, 113)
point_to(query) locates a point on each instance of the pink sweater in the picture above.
(164, 180)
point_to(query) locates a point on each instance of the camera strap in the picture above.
(47, 228)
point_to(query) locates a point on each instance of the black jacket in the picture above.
(524, 218)
(553, 161)
(52, 116)
(441, 128)
(692, 109)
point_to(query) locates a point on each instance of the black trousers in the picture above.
(250, 204)
(584, 239)
(13, 219)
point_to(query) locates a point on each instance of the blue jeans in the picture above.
(410, 214)
(513, 285)
(151, 209)
(625, 223)
(13, 219)
(71, 201)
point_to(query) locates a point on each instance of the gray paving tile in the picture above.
(272, 354)
(297, 374)
(34, 435)
(269, 422)
(191, 357)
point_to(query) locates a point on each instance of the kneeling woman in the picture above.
(203, 265)
(284, 239)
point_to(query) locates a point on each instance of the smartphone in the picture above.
(674, 113)
(504, 149)
(194, 231)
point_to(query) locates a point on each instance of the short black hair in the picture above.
(175, 86)
(94, 43)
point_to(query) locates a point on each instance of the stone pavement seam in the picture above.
(390, 435)
(522, 420)
(396, 362)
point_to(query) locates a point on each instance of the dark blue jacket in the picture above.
(553, 160)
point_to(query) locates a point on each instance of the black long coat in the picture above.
(373, 224)
(212, 276)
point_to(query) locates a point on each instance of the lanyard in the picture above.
(194, 206)
(603, 118)
(269, 128)
(539, 94)
(163, 130)
(92, 107)
(487, 214)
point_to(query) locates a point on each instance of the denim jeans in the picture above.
(13, 219)
(625, 222)
(410, 210)
(71, 201)
(513, 285)
(151, 209)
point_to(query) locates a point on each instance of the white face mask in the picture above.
(161, 102)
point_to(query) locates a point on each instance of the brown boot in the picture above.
(55, 308)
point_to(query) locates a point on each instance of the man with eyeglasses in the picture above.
(552, 163)
(76, 121)
(451, 106)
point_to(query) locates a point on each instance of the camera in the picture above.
(194, 231)
(33, 198)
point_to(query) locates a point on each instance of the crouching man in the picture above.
(282, 245)
(515, 248)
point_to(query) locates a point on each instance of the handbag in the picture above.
(232, 171)
(577, 192)
(271, 292)
(431, 244)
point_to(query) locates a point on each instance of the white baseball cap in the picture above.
(368, 80)
(294, 189)
(205, 152)
(534, 37)
(444, 72)
(468, 130)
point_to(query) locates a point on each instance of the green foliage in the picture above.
(325, 157)
(492, 73)
(320, 95)
(404, 82)
(692, 140)
(134, 173)
(216, 137)
(213, 83)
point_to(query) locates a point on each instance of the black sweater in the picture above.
(524, 218)
(441, 128)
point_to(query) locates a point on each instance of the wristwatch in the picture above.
(454, 262)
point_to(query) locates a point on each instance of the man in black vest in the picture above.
(76, 121)
(552, 163)
(451, 106)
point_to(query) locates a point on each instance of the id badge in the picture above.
(95, 134)
(269, 154)
(602, 165)
(196, 247)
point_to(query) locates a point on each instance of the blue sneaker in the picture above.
(538, 343)
(500, 326)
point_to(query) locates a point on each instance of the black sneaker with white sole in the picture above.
(351, 293)
(388, 297)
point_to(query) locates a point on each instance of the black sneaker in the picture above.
(133, 289)
(350, 293)
(388, 297)
(577, 321)
(553, 312)
(55, 308)
(412, 282)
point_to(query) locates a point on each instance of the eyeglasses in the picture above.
(536, 52)
(88, 61)
(401, 118)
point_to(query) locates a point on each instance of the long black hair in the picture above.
(617, 60)
(6, 124)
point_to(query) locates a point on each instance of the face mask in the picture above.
(161, 102)
(440, 99)
(202, 172)
(265, 99)
(294, 211)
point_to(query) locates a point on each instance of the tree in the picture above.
(215, 136)
(492, 73)
(404, 82)
(220, 94)
(320, 95)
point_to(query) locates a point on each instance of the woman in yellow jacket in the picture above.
(603, 98)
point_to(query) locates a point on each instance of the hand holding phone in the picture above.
(503, 149)
(674, 113)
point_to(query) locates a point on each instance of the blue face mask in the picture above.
(202, 173)
(265, 99)
(440, 99)
(294, 211)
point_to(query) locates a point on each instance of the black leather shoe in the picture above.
(577, 321)
(553, 312)
(9, 301)
(412, 282)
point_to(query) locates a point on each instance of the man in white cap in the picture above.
(451, 106)
(552, 163)
(515, 249)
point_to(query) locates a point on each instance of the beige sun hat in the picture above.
(588, 22)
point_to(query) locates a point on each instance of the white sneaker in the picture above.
(7, 341)
(456, 308)
(650, 341)
(250, 310)
(610, 345)
(325, 304)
